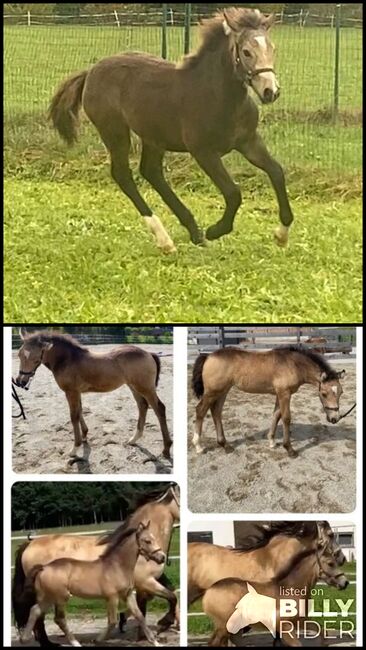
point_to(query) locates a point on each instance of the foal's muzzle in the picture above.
(269, 97)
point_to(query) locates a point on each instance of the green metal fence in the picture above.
(316, 122)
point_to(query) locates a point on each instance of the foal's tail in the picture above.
(158, 367)
(23, 594)
(197, 382)
(65, 106)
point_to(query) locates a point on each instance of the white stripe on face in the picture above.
(334, 389)
(26, 353)
(262, 42)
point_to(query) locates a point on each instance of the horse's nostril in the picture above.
(268, 95)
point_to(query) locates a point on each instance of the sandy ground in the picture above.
(42, 442)
(86, 631)
(249, 477)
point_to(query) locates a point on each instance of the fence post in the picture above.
(117, 19)
(29, 18)
(337, 61)
(164, 49)
(187, 27)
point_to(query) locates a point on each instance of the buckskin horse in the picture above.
(160, 507)
(261, 557)
(201, 106)
(222, 601)
(78, 370)
(279, 372)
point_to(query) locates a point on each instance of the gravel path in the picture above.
(42, 442)
(249, 477)
(86, 631)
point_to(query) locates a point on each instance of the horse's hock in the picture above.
(41, 442)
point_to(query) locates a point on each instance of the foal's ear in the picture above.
(341, 374)
(269, 21)
(323, 377)
(22, 333)
(46, 345)
(227, 24)
(251, 589)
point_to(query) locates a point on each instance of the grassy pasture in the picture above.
(95, 606)
(76, 249)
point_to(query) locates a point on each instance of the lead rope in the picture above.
(348, 412)
(17, 399)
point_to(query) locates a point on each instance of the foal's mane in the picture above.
(317, 358)
(212, 30)
(297, 529)
(124, 532)
(65, 340)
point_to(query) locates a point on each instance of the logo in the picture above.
(253, 608)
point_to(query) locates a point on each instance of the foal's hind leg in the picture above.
(201, 410)
(275, 420)
(116, 137)
(60, 620)
(151, 169)
(256, 152)
(216, 412)
(142, 406)
(160, 412)
(83, 424)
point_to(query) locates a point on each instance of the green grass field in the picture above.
(96, 607)
(201, 625)
(75, 249)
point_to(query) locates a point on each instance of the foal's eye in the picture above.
(324, 394)
(247, 53)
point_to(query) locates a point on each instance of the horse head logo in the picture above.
(253, 608)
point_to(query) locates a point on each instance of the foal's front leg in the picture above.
(112, 612)
(134, 609)
(284, 402)
(255, 151)
(73, 398)
(275, 420)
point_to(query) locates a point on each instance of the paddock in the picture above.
(39, 441)
(248, 476)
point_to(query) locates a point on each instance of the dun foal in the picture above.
(279, 372)
(78, 370)
(110, 577)
(201, 106)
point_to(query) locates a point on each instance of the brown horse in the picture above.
(78, 370)
(160, 508)
(261, 559)
(111, 577)
(221, 601)
(278, 372)
(201, 106)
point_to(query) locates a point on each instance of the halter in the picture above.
(249, 75)
(335, 408)
(31, 373)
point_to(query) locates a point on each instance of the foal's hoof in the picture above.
(281, 236)
(77, 452)
(198, 238)
(216, 231)
(292, 453)
(168, 248)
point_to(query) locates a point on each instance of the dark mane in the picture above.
(142, 500)
(212, 31)
(66, 340)
(119, 536)
(313, 356)
(154, 495)
(266, 532)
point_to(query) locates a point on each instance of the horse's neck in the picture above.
(303, 573)
(215, 70)
(124, 557)
(280, 551)
(52, 357)
(161, 519)
(311, 372)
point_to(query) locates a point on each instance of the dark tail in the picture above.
(23, 593)
(65, 106)
(158, 368)
(197, 383)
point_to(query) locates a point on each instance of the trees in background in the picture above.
(54, 504)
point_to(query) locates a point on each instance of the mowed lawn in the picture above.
(96, 606)
(76, 250)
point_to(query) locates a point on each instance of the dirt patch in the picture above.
(42, 442)
(87, 630)
(254, 478)
(265, 640)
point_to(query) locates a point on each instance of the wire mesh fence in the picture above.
(317, 120)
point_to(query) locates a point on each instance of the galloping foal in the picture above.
(201, 106)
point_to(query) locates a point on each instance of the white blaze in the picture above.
(26, 353)
(261, 40)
